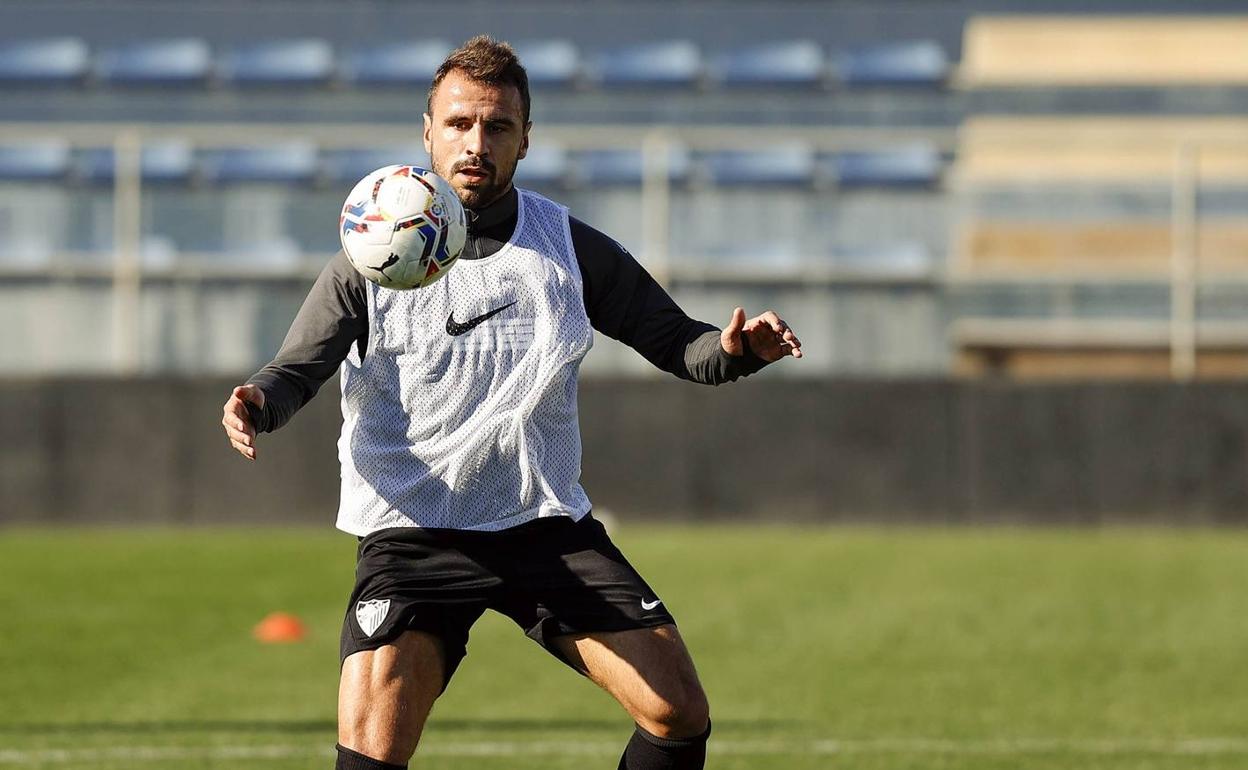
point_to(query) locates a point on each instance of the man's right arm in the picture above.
(334, 316)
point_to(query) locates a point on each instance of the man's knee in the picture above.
(682, 712)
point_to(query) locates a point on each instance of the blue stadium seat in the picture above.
(161, 162)
(794, 63)
(785, 165)
(553, 63)
(180, 62)
(911, 166)
(351, 165)
(35, 161)
(63, 60)
(672, 63)
(626, 167)
(307, 62)
(543, 166)
(917, 63)
(904, 259)
(395, 64)
(294, 162)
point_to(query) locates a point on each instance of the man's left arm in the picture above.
(625, 303)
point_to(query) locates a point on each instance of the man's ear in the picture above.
(428, 135)
(524, 141)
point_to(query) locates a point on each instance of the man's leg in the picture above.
(649, 671)
(384, 697)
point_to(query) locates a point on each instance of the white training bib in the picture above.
(462, 412)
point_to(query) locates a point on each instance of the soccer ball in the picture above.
(402, 227)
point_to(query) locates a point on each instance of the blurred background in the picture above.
(1012, 235)
(977, 214)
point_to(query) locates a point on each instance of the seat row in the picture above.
(313, 62)
(303, 162)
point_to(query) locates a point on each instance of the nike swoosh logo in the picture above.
(645, 605)
(455, 329)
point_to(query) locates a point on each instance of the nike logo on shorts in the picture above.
(645, 605)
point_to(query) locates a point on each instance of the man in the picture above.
(460, 448)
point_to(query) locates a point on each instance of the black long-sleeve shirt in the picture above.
(622, 301)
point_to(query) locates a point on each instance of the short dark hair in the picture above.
(484, 60)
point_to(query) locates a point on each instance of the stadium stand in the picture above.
(796, 63)
(1059, 184)
(286, 63)
(550, 63)
(54, 61)
(916, 165)
(1106, 149)
(884, 260)
(348, 166)
(1057, 349)
(627, 167)
(666, 64)
(918, 63)
(1122, 249)
(159, 162)
(410, 63)
(290, 163)
(43, 161)
(793, 164)
(179, 62)
(545, 165)
(1088, 50)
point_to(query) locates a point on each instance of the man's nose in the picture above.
(474, 140)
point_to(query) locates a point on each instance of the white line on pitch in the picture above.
(798, 747)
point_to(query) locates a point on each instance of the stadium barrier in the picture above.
(151, 451)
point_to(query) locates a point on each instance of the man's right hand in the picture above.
(237, 422)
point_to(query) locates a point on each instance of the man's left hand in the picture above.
(767, 335)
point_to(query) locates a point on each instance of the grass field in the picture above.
(819, 648)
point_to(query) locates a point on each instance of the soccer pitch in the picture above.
(819, 648)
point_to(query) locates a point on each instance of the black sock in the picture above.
(354, 760)
(650, 752)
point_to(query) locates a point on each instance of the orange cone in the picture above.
(279, 628)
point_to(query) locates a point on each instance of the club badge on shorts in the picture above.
(370, 614)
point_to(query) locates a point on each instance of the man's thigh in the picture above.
(385, 695)
(648, 670)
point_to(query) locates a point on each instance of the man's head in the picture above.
(477, 120)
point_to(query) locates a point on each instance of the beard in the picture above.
(478, 193)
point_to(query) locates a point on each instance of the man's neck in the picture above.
(497, 211)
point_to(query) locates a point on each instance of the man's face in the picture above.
(475, 136)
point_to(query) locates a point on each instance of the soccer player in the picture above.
(460, 448)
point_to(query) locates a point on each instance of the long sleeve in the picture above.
(625, 303)
(333, 317)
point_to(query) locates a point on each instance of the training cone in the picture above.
(279, 628)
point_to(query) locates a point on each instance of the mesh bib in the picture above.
(462, 412)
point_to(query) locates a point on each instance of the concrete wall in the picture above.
(152, 451)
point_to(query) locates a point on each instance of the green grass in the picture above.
(819, 648)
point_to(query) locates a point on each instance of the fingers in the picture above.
(245, 451)
(730, 337)
(250, 393)
(237, 422)
(792, 345)
(772, 326)
(241, 434)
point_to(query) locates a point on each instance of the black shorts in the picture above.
(551, 576)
